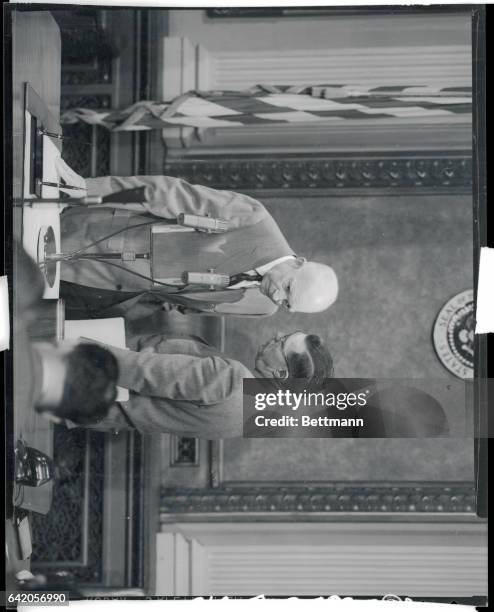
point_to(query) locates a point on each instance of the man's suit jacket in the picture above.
(178, 384)
(253, 240)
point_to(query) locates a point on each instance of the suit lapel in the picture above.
(229, 253)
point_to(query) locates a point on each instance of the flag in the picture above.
(270, 104)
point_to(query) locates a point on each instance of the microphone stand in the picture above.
(84, 201)
(125, 196)
(131, 197)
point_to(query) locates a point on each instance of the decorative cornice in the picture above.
(90, 76)
(422, 498)
(90, 100)
(68, 541)
(435, 172)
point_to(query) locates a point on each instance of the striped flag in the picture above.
(268, 104)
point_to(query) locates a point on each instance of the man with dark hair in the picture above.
(76, 382)
(64, 381)
(298, 355)
(180, 384)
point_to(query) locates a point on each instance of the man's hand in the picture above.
(68, 176)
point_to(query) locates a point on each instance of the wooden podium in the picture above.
(36, 59)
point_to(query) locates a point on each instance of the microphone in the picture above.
(212, 280)
(84, 201)
(212, 225)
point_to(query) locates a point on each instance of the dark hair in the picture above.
(90, 385)
(315, 364)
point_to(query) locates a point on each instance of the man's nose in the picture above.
(283, 303)
(279, 296)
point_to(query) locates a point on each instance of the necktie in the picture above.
(244, 276)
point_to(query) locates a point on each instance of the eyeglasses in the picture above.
(282, 340)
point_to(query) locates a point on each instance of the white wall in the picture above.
(320, 32)
(330, 558)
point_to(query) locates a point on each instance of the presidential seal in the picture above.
(454, 332)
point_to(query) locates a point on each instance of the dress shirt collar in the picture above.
(260, 270)
(266, 267)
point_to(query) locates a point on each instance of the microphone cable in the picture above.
(108, 236)
(74, 255)
(133, 272)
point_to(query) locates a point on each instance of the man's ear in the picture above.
(300, 261)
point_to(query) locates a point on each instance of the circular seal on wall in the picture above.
(454, 332)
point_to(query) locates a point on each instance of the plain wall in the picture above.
(323, 32)
(398, 260)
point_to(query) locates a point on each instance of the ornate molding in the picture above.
(87, 149)
(69, 538)
(89, 76)
(436, 173)
(90, 100)
(435, 498)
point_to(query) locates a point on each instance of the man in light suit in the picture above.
(154, 252)
(181, 385)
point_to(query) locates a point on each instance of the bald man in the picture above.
(128, 259)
